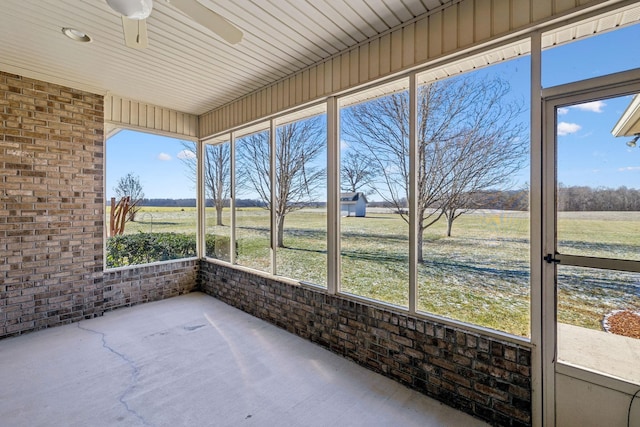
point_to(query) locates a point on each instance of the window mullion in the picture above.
(232, 197)
(333, 170)
(413, 193)
(200, 200)
(274, 200)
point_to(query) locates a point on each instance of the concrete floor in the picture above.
(194, 361)
(600, 351)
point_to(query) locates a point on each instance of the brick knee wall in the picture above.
(480, 375)
(52, 211)
(131, 286)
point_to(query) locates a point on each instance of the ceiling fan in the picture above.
(135, 12)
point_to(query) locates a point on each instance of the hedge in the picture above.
(144, 248)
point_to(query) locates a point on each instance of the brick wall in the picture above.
(130, 286)
(480, 375)
(52, 213)
(51, 210)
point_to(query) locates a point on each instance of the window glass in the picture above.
(598, 164)
(598, 216)
(151, 199)
(301, 193)
(217, 191)
(374, 172)
(473, 210)
(253, 201)
(589, 57)
(599, 320)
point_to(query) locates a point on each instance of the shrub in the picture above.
(144, 248)
(218, 246)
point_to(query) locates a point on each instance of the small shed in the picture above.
(353, 204)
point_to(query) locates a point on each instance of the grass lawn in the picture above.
(162, 219)
(479, 275)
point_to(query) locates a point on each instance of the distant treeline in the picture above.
(575, 198)
(179, 203)
(191, 203)
(570, 199)
(598, 199)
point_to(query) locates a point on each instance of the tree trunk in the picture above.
(219, 215)
(449, 224)
(420, 238)
(280, 236)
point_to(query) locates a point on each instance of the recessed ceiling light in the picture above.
(76, 35)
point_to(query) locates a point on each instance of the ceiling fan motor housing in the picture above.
(132, 9)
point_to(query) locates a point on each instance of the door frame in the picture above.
(618, 84)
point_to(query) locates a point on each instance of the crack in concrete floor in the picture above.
(135, 372)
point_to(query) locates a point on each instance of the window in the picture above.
(151, 199)
(301, 193)
(473, 211)
(217, 193)
(253, 199)
(598, 220)
(374, 176)
(472, 215)
(569, 62)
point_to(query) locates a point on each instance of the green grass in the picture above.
(161, 220)
(479, 275)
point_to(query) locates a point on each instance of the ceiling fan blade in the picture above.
(209, 19)
(135, 33)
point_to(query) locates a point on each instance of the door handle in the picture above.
(551, 259)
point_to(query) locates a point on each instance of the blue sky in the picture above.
(155, 159)
(587, 152)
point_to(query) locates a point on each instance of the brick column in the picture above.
(51, 204)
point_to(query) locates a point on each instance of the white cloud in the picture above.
(164, 157)
(344, 144)
(186, 154)
(629, 168)
(565, 128)
(594, 106)
(563, 111)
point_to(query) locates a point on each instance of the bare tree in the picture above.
(130, 186)
(468, 139)
(356, 172)
(217, 177)
(487, 153)
(217, 173)
(298, 176)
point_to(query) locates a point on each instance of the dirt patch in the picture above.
(623, 322)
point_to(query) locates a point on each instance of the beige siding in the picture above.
(481, 20)
(501, 16)
(446, 31)
(450, 29)
(434, 37)
(373, 54)
(520, 12)
(125, 113)
(421, 46)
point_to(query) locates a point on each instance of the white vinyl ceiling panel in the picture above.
(186, 67)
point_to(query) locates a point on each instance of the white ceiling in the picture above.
(186, 67)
